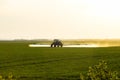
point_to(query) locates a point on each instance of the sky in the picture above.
(59, 19)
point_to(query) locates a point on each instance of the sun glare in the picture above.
(61, 18)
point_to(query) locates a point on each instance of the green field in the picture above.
(53, 63)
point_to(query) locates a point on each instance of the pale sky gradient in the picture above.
(63, 19)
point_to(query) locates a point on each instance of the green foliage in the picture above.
(100, 72)
(9, 77)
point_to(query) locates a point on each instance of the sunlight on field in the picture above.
(82, 45)
(38, 45)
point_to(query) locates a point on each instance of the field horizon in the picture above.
(99, 42)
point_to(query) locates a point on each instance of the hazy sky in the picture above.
(64, 19)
